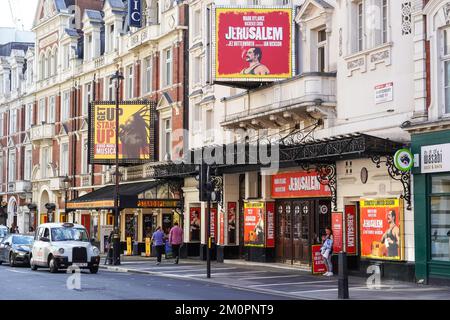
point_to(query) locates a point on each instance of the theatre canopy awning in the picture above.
(150, 194)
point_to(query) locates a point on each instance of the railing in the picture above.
(43, 131)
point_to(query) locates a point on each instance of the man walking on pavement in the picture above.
(158, 239)
(176, 240)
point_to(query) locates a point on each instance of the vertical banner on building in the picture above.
(135, 13)
(213, 224)
(254, 231)
(381, 229)
(136, 132)
(231, 213)
(270, 218)
(194, 223)
(337, 228)
(252, 44)
(318, 264)
(222, 227)
(351, 230)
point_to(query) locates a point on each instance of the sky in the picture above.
(22, 13)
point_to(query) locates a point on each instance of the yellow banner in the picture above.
(129, 248)
(256, 205)
(147, 247)
(395, 202)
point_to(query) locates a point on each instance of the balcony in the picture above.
(56, 183)
(272, 106)
(42, 132)
(19, 187)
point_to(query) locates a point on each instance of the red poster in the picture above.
(213, 223)
(337, 227)
(298, 184)
(270, 218)
(381, 233)
(350, 226)
(253, 44)
(231, 222)
(222, 227)
(254, 231)
(318, 265)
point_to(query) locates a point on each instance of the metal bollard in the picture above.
(343, 277)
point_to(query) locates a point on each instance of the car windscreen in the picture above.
(69, 234)
(22, 240)
(3, 232)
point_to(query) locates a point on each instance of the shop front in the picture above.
(303, 211)
(432, 205)
(143, 207)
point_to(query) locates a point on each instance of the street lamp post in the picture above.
(66, 182)
(116, 241)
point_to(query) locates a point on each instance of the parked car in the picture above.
(60, 245)
(15, 249)
(4, 231)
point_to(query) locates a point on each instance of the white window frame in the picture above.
(2, 119)
(147, 75)
(322, 45)
(110, 87)
(167, 78)
(28, 116)
(84, 156)
(130, 81)
(197, 118)
(42, 111)
(65, 106)
(166, 131)
(88, 94)
(28, 164)
(64, 159)
(45, 161)
(445, 59)
(197, 14)
(209, 124)
(66, 53)
(13, 121)
(51, 109)
(12, 165)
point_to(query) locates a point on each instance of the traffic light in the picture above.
(204, 186)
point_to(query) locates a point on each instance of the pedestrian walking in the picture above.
(176, 240)
(158, 240)
(327, 251)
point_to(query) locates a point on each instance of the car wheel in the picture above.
(32, 266)
(12, 260)
(1, 262)
(53, 265)
(93, 270)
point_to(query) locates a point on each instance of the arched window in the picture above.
(55, 62)
(49, 64)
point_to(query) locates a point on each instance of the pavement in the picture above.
(289, 282)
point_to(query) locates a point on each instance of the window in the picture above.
(13, 79)
(45, 162)
(208, 45)
(65, 106)
(28, 116)
(55, 62)
(52, 109)
(147, 85)
(88, 49)
(130, 82)
(197, 23)
(446, 65)
(167, 73)
(48, 61)
(42, 113)
(84, 155)
(371, 19)
(197, 70)
(12, 166)
(64, 162)
(66, 53)
(13, 121)
(167, 136)
(197, 117)
(28, 165)
(209, 124)
(440, 217)
(110, 38)
(321, 50)
(30, 72)
(42, 67)
(111, 95)
(1, 171)
(87, 98)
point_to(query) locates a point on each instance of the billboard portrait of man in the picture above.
(254, 57)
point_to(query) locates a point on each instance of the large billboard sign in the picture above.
(252, 44)
(136, 132)
(382, 229)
